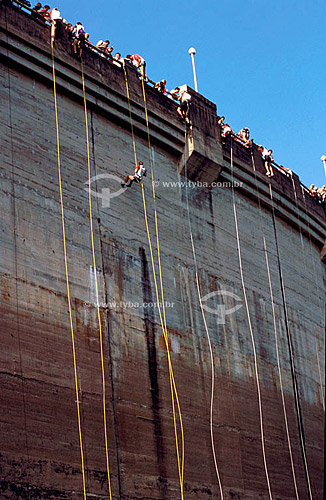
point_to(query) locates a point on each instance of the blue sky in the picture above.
(262, 62)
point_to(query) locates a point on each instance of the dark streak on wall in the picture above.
(149, 322)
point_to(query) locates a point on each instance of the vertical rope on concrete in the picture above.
(67, 275)
(290, 345)
(110, 364)
(96, 289)
(275, 332)
(321, 304)
(250, 329)
(173, 389)
(180, 467)
(211, 419)
(15, 248)
(320, 376)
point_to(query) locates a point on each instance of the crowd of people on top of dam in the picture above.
(243, 136)
(79, 39)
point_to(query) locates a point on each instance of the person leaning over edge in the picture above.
(44, 13)
(79, 40)
(268, 159)
(184, 108)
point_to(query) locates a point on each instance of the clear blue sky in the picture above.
(262, 62)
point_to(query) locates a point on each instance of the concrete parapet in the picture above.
(202, 159)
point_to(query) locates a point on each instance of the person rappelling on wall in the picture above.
(140, 173)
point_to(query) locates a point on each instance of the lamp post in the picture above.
(323, 159)
(192, 53)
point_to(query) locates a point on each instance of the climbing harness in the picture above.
(250, 327)
(211, 421)
(275, 330)
(67, 275)
(174, 393)
(96, 289)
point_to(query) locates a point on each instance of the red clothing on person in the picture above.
(140, 171)
(226, 130)
(137, 60)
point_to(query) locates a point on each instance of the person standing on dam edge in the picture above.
(44, 13)
(79, 40)
(140, 172)
(268, 159)
(184, 108)
(56, 18)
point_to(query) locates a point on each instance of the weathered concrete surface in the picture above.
(203, 158)
(39, 447)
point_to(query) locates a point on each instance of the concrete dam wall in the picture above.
(258, 248)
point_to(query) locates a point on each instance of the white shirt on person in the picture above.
(140, 171)
(185, 96)
(78, 28)
(137, 60)
(55, 14)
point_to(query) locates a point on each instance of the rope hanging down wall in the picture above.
(275, 330)
(321, 303)
(211, 419)
(173, 388)
(67, 277)
(96, 290)
(291, 353)
(250, 328)
(174, 393)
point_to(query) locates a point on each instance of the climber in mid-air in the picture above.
(140, 172)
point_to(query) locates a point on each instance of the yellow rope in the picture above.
(96, 291)
(181, 472)
(130, 117)
(172, 381)
(277, 350)
(174, 394)
(67, 276)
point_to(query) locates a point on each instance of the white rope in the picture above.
(320, 377)
(207, 332)
(275, 334)
(319, 298)
(295, 388)
(280, 373)
(250, 329)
